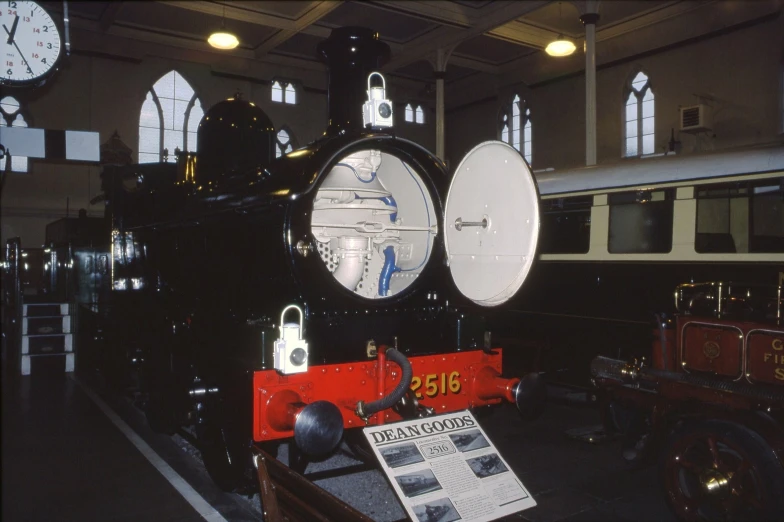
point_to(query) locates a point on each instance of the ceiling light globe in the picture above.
(223, 40)
(560, 47)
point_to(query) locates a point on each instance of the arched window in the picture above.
(285, 142)
(169, 119)
(516, 127)
(415, 113)
(11, 112)
(781, 98)
(639, 120)
(527, 148)
(284, 92)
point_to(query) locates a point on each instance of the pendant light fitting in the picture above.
(223, 39)
(560, 46)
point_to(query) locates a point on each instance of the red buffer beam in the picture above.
(444, 382)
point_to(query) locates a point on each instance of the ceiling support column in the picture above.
(440, 138)
(442, 56)
(589, 20)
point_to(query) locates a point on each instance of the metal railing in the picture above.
(727, 300)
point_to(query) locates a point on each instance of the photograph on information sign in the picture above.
(401, 455)
(440, 510)
(445, 468)
(418, 483)
(487, 465)
(469, 441)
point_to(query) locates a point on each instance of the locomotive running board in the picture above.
(287, 495)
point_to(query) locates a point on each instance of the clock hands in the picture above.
(11, 40)
(13, 30)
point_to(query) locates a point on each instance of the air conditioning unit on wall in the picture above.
(696, 118)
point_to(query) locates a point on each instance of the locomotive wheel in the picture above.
(616, 416)
(161, 405)
(226, 457)
(359, 446)
(159, 412)
(716, 470)
(638, 444)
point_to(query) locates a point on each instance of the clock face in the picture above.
(29, 43)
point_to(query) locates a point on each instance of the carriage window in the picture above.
(767, 219)
(566, 225)
(722, 219)
(740, 218)
(641, 222)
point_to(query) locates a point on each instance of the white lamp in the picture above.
(560, 47)
(223, 40)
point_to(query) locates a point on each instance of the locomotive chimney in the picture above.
(351, 54)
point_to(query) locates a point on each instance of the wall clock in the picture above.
(30, 44)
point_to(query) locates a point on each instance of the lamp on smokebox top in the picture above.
(377, 110)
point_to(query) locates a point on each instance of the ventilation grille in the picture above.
(691, 117)
(695, 118)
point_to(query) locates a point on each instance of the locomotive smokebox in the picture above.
(235, 138)
(351, 54)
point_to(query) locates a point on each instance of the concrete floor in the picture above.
(64, 460)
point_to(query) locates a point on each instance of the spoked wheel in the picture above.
(639, 443)
(359, 446)
(715, 470)
(226, 457)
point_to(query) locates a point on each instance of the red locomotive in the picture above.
(711, 401)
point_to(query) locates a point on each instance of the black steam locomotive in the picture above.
(359, 236)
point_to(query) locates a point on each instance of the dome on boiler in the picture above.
(235, 137)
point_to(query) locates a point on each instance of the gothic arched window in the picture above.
(639, 117)
(516, 127)
(11, 112)
(284, 92)
(169, 119)
(284, 142)
(415, 113)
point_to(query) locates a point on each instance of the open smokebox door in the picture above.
(375, 223)
(492, 223)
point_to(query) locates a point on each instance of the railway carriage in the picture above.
(617, 239)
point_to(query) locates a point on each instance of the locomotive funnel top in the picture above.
(351, 53)
(235, 137)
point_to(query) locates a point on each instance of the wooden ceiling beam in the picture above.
(489, 17)
(109, 15)
(320, 10)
